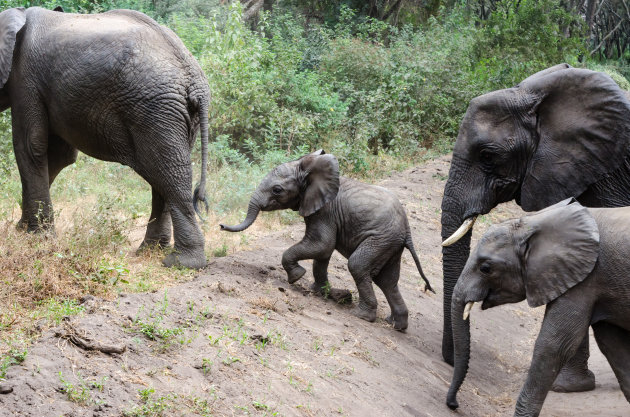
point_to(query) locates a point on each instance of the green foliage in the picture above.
(56, 310)
(150, 406)
(521, 37)
(615, 72)
(79, 393)
(13, 357)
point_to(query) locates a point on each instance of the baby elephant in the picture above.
(365, 223)
(573, 259)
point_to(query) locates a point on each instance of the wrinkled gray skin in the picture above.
(560, 133)
(365, 223)
(116, 86)
(573, 260)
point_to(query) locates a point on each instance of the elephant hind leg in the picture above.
(387, 281)
(364, 264)
(614, 342)
(172, 179)
(160, 225)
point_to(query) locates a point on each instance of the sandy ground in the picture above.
(238, 340)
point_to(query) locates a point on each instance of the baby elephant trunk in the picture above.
(252, 213)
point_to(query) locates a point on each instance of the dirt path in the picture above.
(238, 340)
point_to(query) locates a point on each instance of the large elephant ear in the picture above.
(560, 249)
(583, 133)
(319, 174)
(11, 21)
(545, 72)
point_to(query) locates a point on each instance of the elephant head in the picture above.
(553, 136)
(11, 21)
(538, 257)
(304, 185)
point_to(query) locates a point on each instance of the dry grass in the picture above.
(93, 250)
(264, 303)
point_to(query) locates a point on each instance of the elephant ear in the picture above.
(11, 21)
(544, 72)
(560, 247)
(583, 133)
(319, 173)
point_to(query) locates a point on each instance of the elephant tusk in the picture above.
(459, 233)
(467, 309)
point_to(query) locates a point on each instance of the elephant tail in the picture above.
(200, 189)
(409, 245)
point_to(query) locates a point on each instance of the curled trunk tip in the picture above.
(252, 213)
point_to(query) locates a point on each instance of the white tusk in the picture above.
(467, 309)
(459, 233)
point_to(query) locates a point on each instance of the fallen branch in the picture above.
(87, 343)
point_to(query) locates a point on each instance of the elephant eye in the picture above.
(485, 268)
(276, 189)
(486, 157)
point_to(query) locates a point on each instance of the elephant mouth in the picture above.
(482, 298)
(488, 301)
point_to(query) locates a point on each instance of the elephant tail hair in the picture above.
(200, 189)
(409, 245)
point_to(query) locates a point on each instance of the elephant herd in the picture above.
(119, 87)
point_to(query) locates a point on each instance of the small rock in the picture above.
(86, 298)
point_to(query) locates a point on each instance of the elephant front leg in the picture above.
(575, 375)
(322, 285)
(560, 337)
(364, 261)
(318, 243)
(30, 142)
(160, 225)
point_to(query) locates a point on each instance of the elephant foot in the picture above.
(295, 274)
(22, 225)
(571, 380)
(25, 226)
(337, 295)
(365, 314)
(399, 321)
(187, 260)
(158, 244)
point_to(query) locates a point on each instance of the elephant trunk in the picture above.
(252, 212)
(461, 339)
(454, 258)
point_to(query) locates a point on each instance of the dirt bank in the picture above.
(238, 340)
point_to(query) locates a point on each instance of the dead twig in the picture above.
(87, 343)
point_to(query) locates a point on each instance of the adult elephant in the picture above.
(562, 132)
(118, 87)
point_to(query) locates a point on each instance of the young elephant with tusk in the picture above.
(365, 223)
(569, 258)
